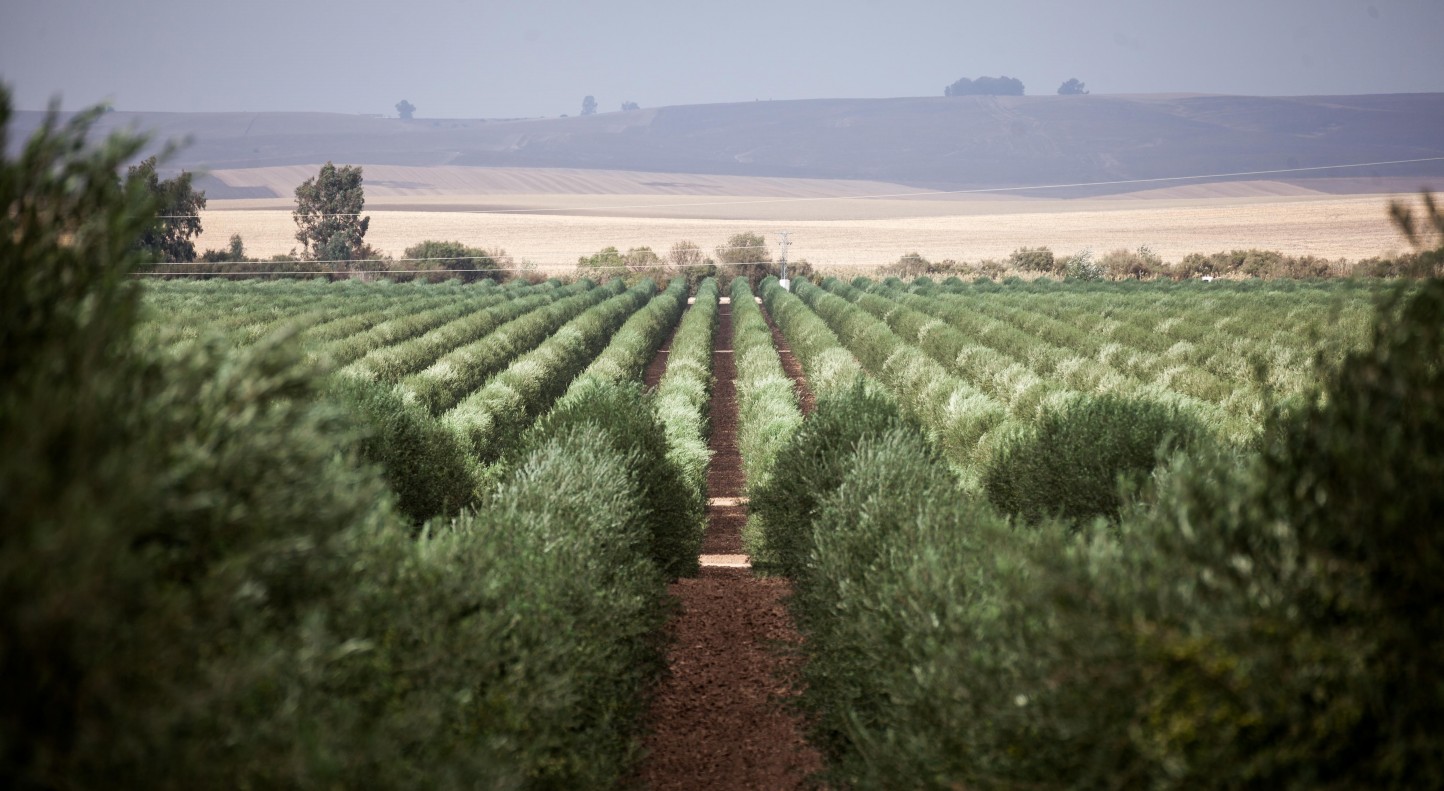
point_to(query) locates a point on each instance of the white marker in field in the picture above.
(782, 258)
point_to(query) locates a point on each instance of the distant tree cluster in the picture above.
(589, 105)
(406, 109)
(985, 86)
(627, 106)
(1073, 87)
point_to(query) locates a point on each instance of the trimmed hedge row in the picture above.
(632, 347)
(246, 318)
(828, 364)
(782, 512)
(391, 363)
(767, 410)
(620, 412)
(516, 646)
(957, 414)
(411, 297)
(1263, 621)
(1087, 458)
(425, 465)
(490, 420)
(342, 351)
(463, 370)
(203, 586)
(682, 397)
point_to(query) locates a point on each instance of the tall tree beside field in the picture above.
(177, 204)
(328, 214)
(406, 109)
(589, 105)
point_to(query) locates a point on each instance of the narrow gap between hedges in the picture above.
(790, 366)
(719, 721)
(657, 368)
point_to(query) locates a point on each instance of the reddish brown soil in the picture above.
(724, 475)
(657, 368)
(720, 720)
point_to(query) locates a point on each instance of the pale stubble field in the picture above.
(829, 225)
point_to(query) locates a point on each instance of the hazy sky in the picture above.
(500, 58)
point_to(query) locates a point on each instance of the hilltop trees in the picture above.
(589, 105)
(177, 207)
(328, 214)
(985, 86)
(406, 109)
(1073, 87)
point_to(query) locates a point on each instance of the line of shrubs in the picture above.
(767, 408)
(204, 584)
(491, 418)
(463, 370)
(682, 397)
(827, 364)
(957, 414)
(392, 362)
(1219, 619)
(1143, 263)
(403, 327)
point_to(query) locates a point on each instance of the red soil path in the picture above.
(658, 367)
(720, 720)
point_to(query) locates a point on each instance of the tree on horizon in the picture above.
(985, 86)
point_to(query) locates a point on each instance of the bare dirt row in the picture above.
(720, 720)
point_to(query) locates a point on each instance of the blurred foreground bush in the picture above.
(1270, 618)
(204, 584)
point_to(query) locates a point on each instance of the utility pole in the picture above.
(782, 245)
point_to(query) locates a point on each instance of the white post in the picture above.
(783, 281)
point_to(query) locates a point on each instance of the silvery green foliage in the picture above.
(829, 366)
(767, 411)
(682, 397)
(466, 368)
(490, 420)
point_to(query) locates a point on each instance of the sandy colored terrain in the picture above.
(550, 217)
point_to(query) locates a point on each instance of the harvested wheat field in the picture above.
(549, 217)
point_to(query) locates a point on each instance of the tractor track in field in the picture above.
(721, 720)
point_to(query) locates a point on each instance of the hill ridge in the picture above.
(922, 142)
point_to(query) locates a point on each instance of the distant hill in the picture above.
(932, 142)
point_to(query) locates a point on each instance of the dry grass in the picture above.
(550, 217)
